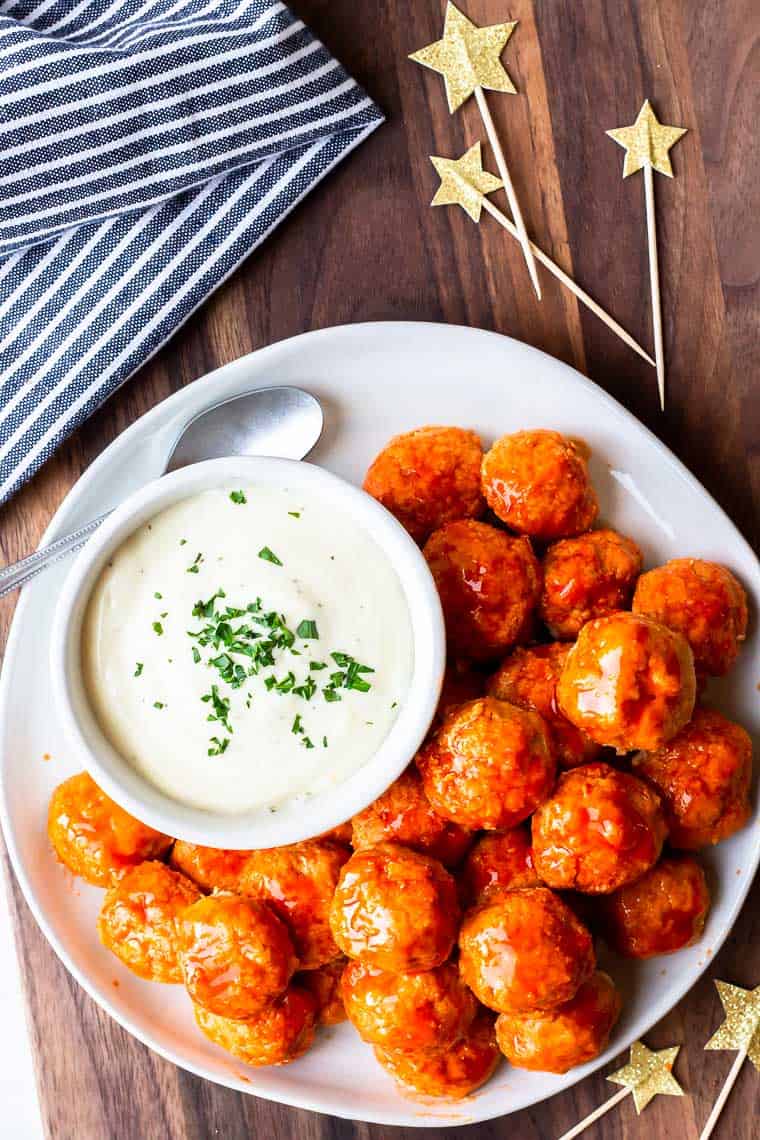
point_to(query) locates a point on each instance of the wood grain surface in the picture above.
(365, 246)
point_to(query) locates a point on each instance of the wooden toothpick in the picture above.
(646, 143)
(469, 59)
(647, 1073)
(465, 183)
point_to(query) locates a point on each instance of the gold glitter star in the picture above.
(648, 1073)
(468, 57)
(647, 141)
(741, 1029)
(464, 182)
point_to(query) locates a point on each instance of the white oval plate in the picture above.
(374, 380)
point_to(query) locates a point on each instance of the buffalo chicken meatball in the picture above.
(555, 1040)
(599, 830)
(703, 775)
(211, 868)
(662, 911)
(429, 477)
(537, 482)
(426, 1011)
(395, 909)
(628, 682)
(403, 814)
(526, 950)
(461, 683)
(94, 837)
(141, 919)
(324, 986)
(489, 765)
(452, 1073)
(488, 583)
(236, 955)
(702, 601)
(528, 678)
(587, 577)
(280, 1033)
(298, 882)
(498, 862)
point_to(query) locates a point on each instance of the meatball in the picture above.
(662, 911)
(94, 837)
(339, 834)
(537, 482)
(454, 1072)
(424, 1012)
(402, 814)
(211, 868)
(298, 882)
(501, 861)
(489, 765)
(556, 1040)
(703, 776)
(461, 683)
(526, 950)
(488, 582)
(702, 601)
(236, 955)
(628, 682)
(599, 830)
(585, 578)
(395, 909)
(429, 477)
(141, 918)
(324, 986)
(283, 1030)
(528, 678)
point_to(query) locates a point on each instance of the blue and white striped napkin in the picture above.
(146, 147)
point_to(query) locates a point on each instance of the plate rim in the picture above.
(174, 401)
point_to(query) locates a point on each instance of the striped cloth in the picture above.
(146, 147)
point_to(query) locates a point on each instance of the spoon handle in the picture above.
(19, 573)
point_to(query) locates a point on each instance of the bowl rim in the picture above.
(295, 820)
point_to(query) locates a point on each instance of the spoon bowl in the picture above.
(280, 423)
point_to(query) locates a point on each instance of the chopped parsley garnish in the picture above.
(196, 655)
(218, 746)
(138, 669)
(194, 568)
(221, 707)
(157, 628)
(324, 742)
(238, 497)
(317, 665)
(294, 514)
(297, 726)
(183, 542)
(159, 705)
(158, 596)
(308, 630)
(307, 743)
(269, 556)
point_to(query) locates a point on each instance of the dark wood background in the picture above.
(365, 246)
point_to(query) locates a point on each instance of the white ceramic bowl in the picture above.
(296, 820)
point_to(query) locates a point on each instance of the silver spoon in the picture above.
(282, 422)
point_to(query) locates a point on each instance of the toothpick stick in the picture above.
(646, 143)
(506, 178)
(733, 1073)
(654, 281)
(594, 1116)
(568, 282)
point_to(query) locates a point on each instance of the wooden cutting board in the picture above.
(365, 246)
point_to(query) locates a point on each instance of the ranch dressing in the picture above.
(245, 647)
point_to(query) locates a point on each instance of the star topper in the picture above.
(648, 1073)
(468, 57)
(647, 142)
(741, 1029)
(464, 181)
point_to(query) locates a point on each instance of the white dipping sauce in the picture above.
(146, 676)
